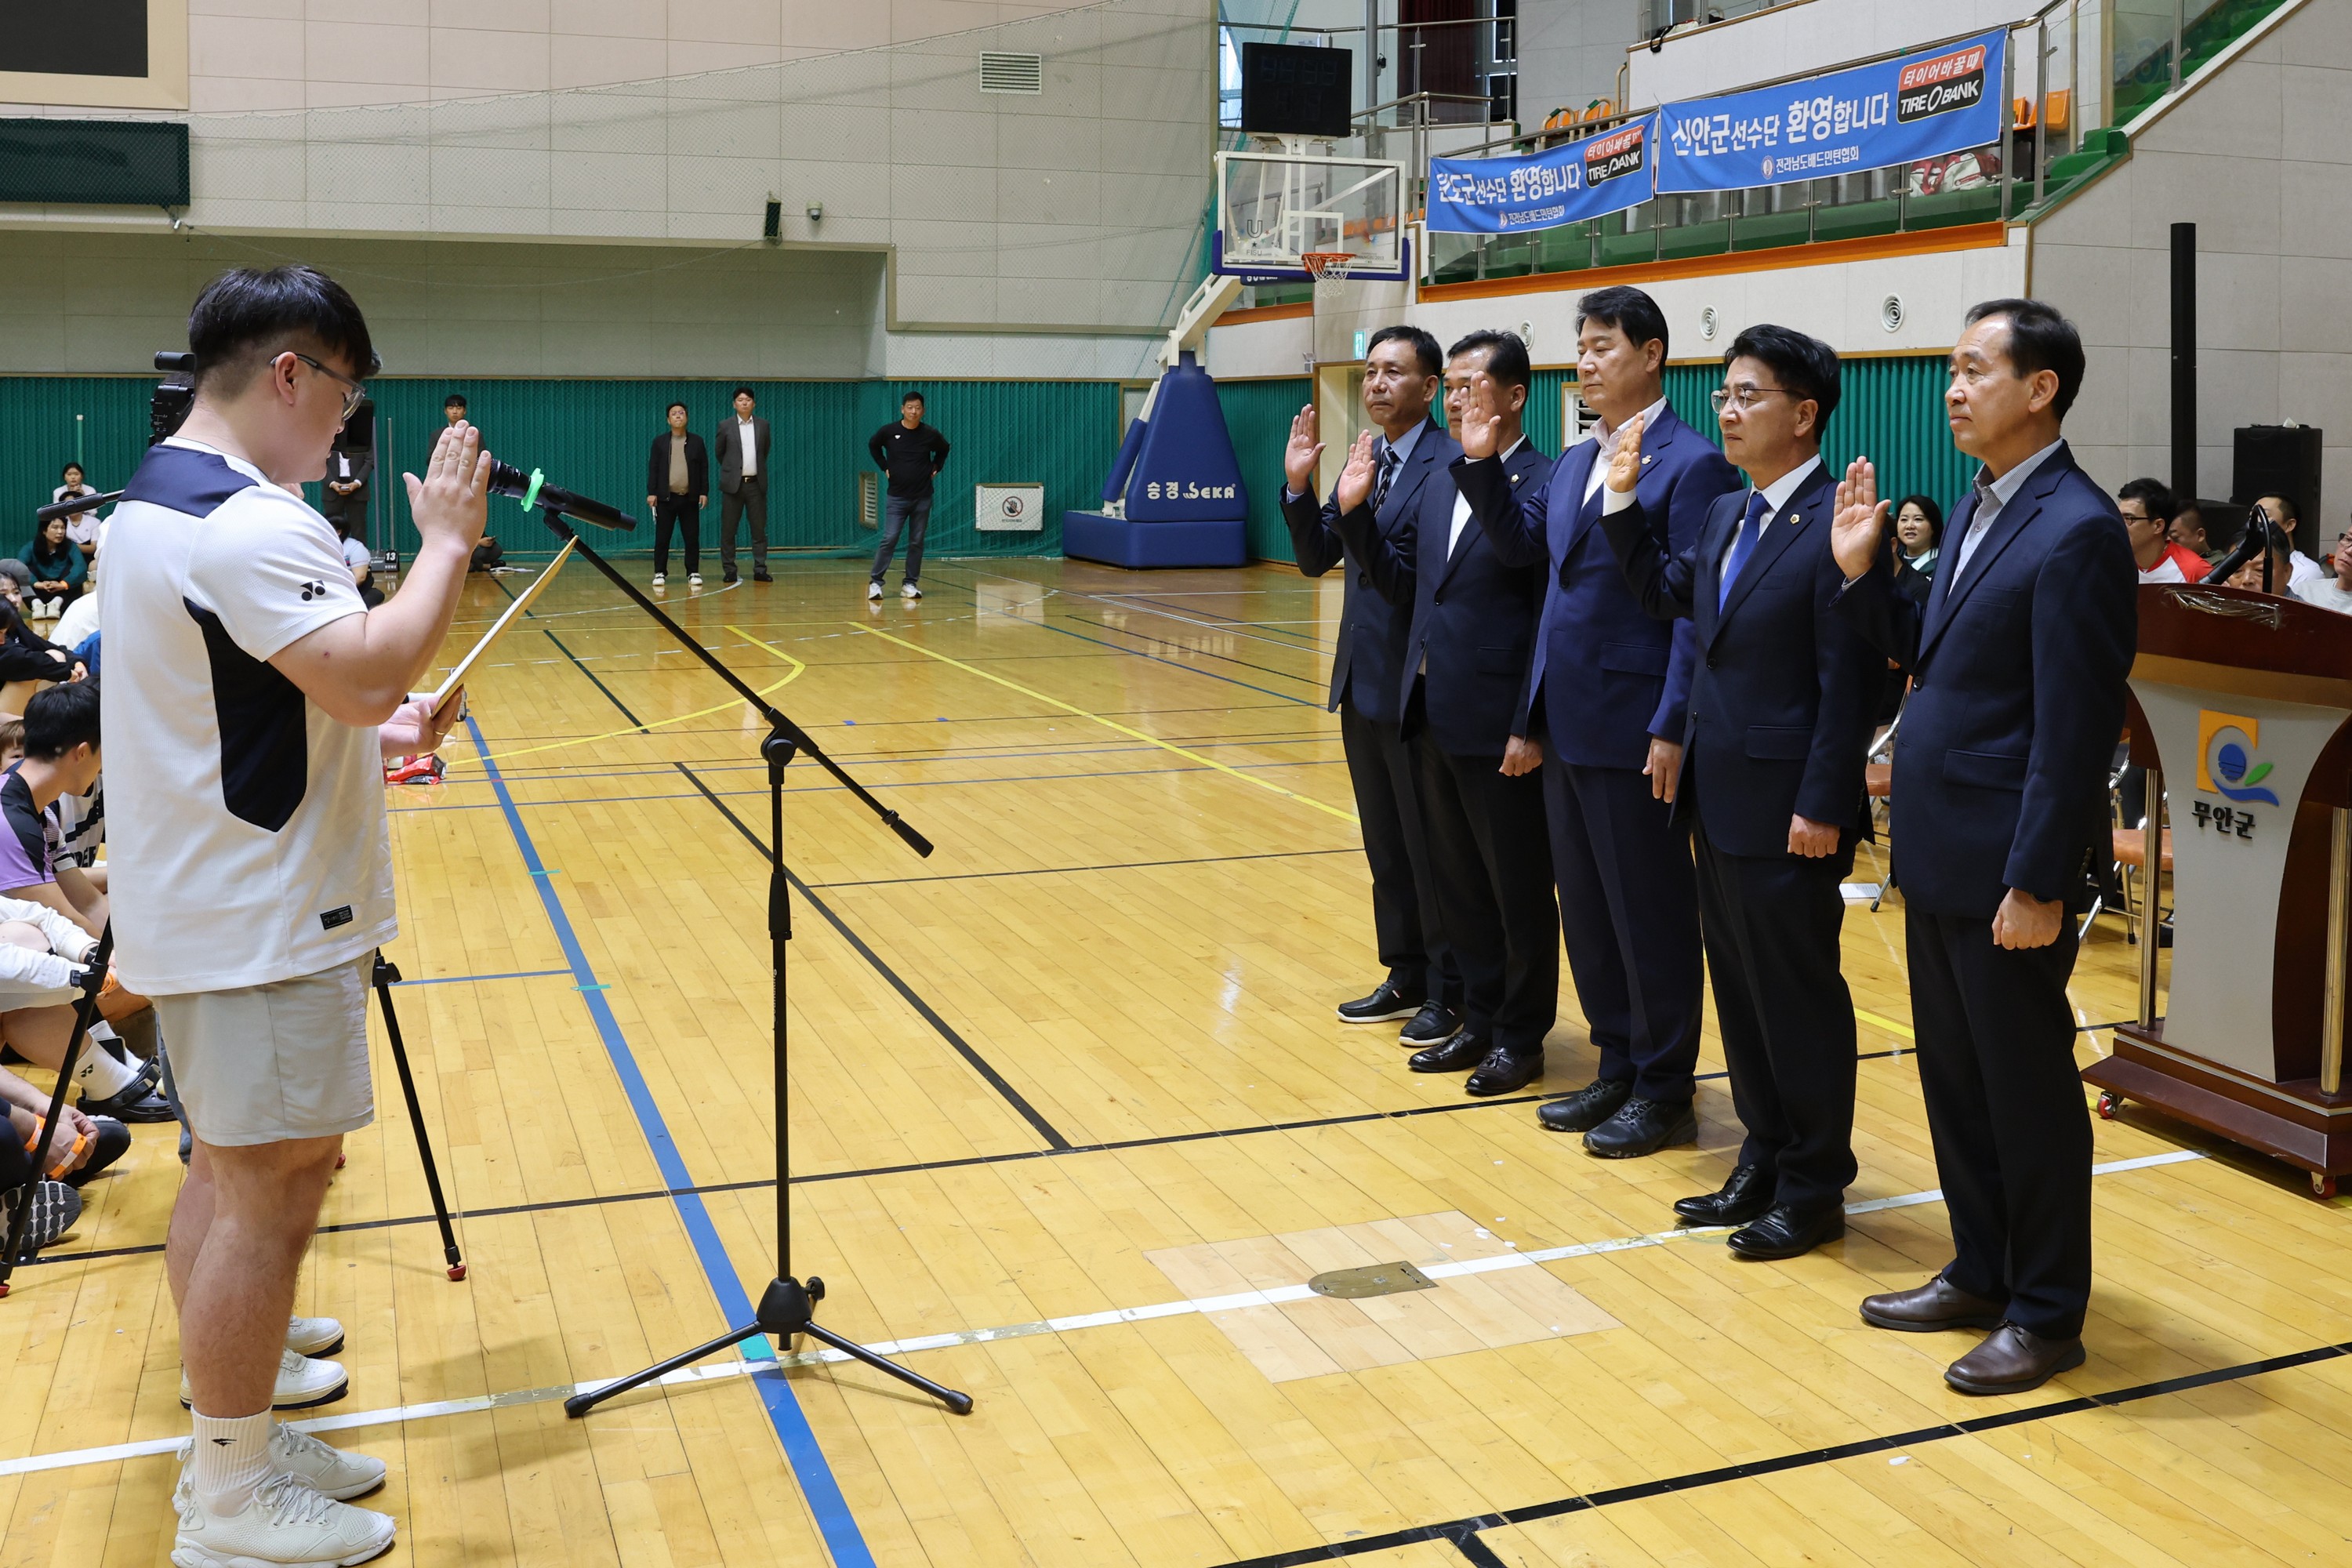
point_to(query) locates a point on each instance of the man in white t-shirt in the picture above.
(2333, 591)
(251, 703)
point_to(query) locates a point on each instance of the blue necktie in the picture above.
(1743, 544)
(1389, 462)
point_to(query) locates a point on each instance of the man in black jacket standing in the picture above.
(912, 454)
(677, 481)
(1466, 659)
(1781, 714)
(743, 444)
(1403, 368)
(2019, 653)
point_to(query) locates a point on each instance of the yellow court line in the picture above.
(657, 724)
(1889, 1025)
(1111, 724)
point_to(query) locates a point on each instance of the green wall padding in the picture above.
(1257, 418)
(593, 436)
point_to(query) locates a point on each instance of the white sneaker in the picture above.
(694, 579)
(909, 591)
(301, 1383)
(659, 579)
(328, 1471)
(314, 1336)
(285, 1523)
(873, 590)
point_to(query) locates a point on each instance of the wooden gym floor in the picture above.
(1067, 1094)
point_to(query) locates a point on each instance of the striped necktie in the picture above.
(1390, 462)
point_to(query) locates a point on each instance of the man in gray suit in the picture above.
(744, 443)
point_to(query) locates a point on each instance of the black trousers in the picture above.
(2005, 1109)
(749, 500)
(1629, 912)
(1786, 1020)
(1491, 858)
(679, 512)
(1405, 917)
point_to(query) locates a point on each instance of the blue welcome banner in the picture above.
(1567, 185)
(1871, 117)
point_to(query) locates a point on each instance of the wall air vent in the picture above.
(1012, 73)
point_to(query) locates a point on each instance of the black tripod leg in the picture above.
(581, 1403)
(384, 978)
(959, 1402)
(85, 1014)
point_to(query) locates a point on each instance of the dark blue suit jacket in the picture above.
(1785, 694)
(1473, 618)
(1608, 676)
(2019, 661)
(1371, 633)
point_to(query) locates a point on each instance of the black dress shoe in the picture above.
(1642, 1127)
(1465, 1050)
(1932, 1308)
(760, 574)
(1389, 1000)
(730, 576)
(1500, 1073)
(1585, 1110)
(1744, 1197)
(1433, 1025)
(1786, 1231)
(2012, 1359)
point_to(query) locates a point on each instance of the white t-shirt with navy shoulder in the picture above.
(248, 842)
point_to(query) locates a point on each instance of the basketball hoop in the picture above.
(1329, 266)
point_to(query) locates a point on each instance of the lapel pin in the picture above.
(1648, 458)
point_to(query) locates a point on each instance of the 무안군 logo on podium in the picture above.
(2229, 762)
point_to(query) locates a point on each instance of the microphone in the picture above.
(537, 495)
(86, 501)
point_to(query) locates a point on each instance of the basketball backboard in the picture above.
(1276, 208)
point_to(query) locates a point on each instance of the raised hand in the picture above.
(1626, 468)
(1860, 526)
(1356, 479)
(1305, 450)
(1481, 418)
(451, 504)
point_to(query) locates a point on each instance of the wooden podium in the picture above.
(2243, 699)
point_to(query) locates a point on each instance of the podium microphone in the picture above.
(537, 495)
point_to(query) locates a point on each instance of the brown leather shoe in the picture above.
(1932, 1308)
(2011, 1360)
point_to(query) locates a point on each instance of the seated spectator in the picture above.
(83, 1146)
(61, 758)
(2148, 508)
(56, 1205)
(42, 960)
(83, 527)
(56, 570)
(1919, 533)
(80, 623)
(26, 659)
(2190, 530)
(2281, 566)
(355, 556)
(2282, 510)
(2333, 591)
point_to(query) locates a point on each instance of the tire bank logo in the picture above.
(2227, 761)
(1940, 86)
(1625, 153)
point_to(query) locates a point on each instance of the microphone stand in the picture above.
(787, 1307)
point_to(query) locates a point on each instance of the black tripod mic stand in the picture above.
(786, 1308)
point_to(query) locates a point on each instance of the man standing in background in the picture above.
(453, 408)
(912, 454)
(677, 481)
(743, 444)
(343, 498)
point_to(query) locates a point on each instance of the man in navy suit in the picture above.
(1780, 716)
(2018, 655)
(1608, 688)
(1401, 371)
(1465, 658)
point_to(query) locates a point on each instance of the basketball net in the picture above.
(1327, 266)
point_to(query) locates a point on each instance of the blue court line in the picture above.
(843, 1538)
(470, 979)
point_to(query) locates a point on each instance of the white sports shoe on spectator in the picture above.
(659, 579)
(329, 1472)
(909, 591)
(301, 1383)
(873, 590)
(314, 1336)
(694, 579)
(285, 1523)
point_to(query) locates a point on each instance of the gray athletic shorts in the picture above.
(269, 1063)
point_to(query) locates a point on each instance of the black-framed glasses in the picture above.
(355, 393)
(1743, 397)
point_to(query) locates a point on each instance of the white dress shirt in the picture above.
(1775, 499)
(1604, 448)
(2326, 592)
(1454, 534)
(747, 438)
(1993, 497)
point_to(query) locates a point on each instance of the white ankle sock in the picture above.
(231, 1458)
(100, 1075)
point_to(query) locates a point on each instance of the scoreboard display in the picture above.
(1293, 89)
